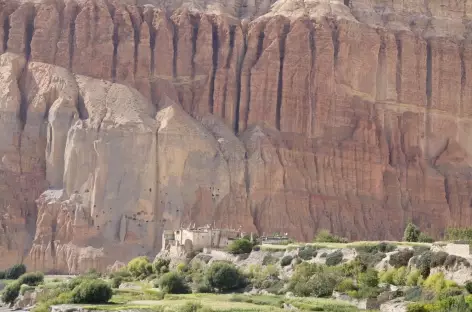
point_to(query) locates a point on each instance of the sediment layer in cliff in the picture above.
(121, 120)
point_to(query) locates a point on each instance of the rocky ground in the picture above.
(271, 274)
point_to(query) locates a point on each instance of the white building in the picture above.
(188, 240)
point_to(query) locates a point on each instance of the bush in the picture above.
(423, 263)
(11, 292)
(191, 307)
(369, 279)
(224, 276)
(352, 268)
(287, 260)
(468, 286)
(425, 238)
(173, 283)
(459, 234)
(399, 276)
(324, 236)
(15, 271)
(435, 282)
(240, 246)
(411, 233)
(412, 278)
(181, 267)
(73, 283)
(306, 253)
(370, 259)
(453, 304)
(453, 260)
(310, 279)
(438, 259)
(200, 284)
(334, 258)
(321, 285)
(269, 259)
(346, 285)
(387, 276)
(159, 263)
(24, 288)
(2, 275)
(450, 292)
(116, 281)
(139, 267)
(419, 307)
(92, 291)
(401, 258)
(31, 279)
(375, 248)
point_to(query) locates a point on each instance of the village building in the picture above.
(186, 240)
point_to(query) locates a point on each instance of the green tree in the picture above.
(15, 271)
(92, 291)
(173, 283)
(139, 267)
(369, 278)
(11, 292)
(412, 233)
(240, 246)
(159, 263)
(31, 279)
(324, 236)
(224, 276)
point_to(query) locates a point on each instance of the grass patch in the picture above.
(122, 296)
(222, 302)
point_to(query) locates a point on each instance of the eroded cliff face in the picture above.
(121, 119)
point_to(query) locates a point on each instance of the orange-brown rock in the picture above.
(120, 120)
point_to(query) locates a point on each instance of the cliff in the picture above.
(121, 119)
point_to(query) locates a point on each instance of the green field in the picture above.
(126, 300)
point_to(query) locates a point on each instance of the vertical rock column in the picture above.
(93, 34)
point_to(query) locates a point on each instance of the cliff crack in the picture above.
(81, 108)
(6, 35)
(215, 46)
(399, 69)
(115, 43)
(238, 81)
(175, 43)
(72, 36)
(152, 43)
(429, 72)
(447, 193)
(195, 28)
(29, 36)
(463, 78)
(312, 93)
(281, 71)
(335, 39)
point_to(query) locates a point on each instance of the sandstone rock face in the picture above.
(123, 118)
